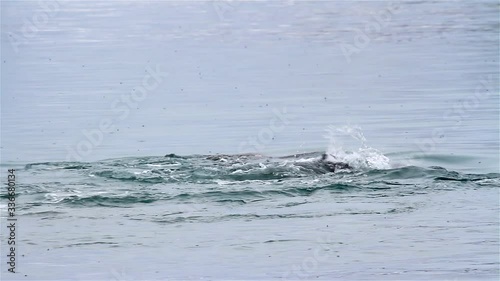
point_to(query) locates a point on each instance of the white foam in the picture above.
(358, 157)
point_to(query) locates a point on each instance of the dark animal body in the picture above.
(323, 164)
(333, 166)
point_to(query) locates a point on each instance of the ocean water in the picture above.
(182, 140)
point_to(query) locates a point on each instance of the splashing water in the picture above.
(360, 157)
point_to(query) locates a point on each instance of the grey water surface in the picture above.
(181, 140)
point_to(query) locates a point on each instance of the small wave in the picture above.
(168, 219)
(58, 165)
(491, 178)
(107, 201)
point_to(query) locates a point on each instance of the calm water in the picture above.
(129, 125)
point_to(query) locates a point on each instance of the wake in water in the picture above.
(348, 164)
(226, 180)
(229, 178)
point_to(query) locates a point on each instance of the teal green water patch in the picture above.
(108, 201)
(454, 176)
(235, 180)
(443, 158)
(55, 165)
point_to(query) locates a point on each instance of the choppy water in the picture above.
(280, 216)
(227, 179)
(216, 173)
